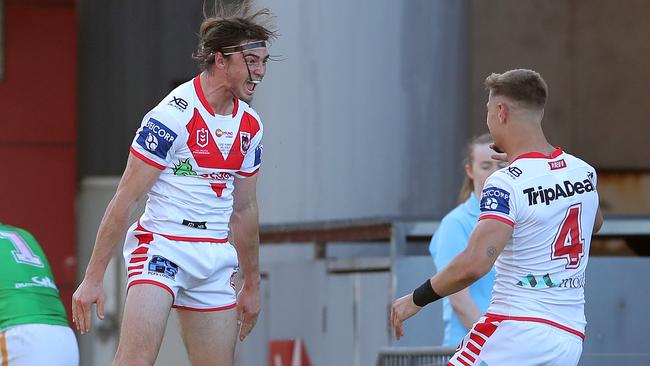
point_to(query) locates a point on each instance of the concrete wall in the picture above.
(362, 114)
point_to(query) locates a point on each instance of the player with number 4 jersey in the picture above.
(550, 201)
(535, 226)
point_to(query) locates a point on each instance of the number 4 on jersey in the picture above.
(569, 243)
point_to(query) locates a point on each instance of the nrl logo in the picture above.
(245, 138)
(202, 137)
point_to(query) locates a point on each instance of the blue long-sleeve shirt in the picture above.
(449, 240)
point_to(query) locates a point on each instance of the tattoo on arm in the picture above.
(491, 251)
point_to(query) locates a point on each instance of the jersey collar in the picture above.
(538, 155)
(204, 101)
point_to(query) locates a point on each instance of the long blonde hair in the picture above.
(468, 184)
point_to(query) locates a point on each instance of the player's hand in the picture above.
(87, 293)
(499, 154)
(402, 309)
(248, 308)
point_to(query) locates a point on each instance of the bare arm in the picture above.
(245, 228)
(465, 308)
(487, 241)
(599, 221)
(137, 179)
(485, 244)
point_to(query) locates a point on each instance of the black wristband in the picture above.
(424, 294)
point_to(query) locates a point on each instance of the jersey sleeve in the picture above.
(253, 157)
(157, 139)
(498, 200)
(450, 239)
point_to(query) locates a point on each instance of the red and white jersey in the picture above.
(551, 201)
(200, 153)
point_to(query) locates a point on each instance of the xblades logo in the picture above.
(514, 172)
(179, 103)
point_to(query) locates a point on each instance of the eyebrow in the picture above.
(256, 56)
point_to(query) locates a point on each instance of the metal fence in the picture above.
(414, 356)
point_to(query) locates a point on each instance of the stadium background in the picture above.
(366, 120)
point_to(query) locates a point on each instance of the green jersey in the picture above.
(28, 294)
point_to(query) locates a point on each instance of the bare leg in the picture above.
(143, 325)
(209, 337)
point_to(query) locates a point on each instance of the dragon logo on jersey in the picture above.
(202, 137)
(184, 168)
(245, 138)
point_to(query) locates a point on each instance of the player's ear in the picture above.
(503, 112)
(219, 60)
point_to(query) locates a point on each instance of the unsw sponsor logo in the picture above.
(567, 189)
(495, 199)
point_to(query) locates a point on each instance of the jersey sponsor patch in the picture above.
(161, 266)
(258, 155)
(495, 199)
(156, 138)
(196, 224)
(558, 164)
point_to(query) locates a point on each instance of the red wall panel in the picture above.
(38, 117)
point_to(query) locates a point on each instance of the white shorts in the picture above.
(513, 342)
(38, 344)
(198, 275)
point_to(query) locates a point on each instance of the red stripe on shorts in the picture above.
(138, 259)
(144, 238)
(467, 356)
(140, 250)
(473, 348)
(476, 338)
(151, 282)
(486, 329)
(459, 360)
(537, 320)
(226, 307)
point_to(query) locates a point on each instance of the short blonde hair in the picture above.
(520, 85)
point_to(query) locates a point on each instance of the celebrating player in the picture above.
(197, 154)
(537, 218)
